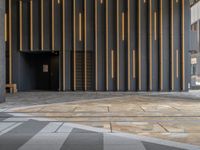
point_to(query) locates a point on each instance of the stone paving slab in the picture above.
(154, 116)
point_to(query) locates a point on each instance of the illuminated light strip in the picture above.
(64, 46)
(123, 26)
(183, 45)
(139, 47)
(85, 39)
(10, 42)
(118, 49)
(31, 25)
(42, 24)
(53, 25)
(96, 45)
(161, 45)
(5, 28)
(113, 64)
(20, 25)
(129, 46)
(107, 47)
(74, 48)
(134, 68)
(172, 45)
(155, 26)
(80, 27)
(150, 45)
(177, 59)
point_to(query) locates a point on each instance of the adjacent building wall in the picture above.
(2, 51)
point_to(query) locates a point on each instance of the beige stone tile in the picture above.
(137, 127)
(91, 109)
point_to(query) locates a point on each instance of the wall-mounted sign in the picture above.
(45, 68)
(194, 61)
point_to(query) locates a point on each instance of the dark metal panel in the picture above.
(36, 25)
(58, 25)
(144, 46)
(79, 10)
(155, 52)
(112, 30)
(47, 25)
(69, 24)
(177, 45)
(101, 46)
(166, 45)
(90, 25)
(122, 46)
(25, 24)
(133, 44)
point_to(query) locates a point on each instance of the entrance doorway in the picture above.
(38, 71)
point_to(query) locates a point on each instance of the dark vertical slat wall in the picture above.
(116, 41)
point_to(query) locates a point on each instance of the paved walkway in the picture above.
(168, 116)
(19, 133)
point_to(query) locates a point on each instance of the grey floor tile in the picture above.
(18, 136)
(153, 146)
(83, 140)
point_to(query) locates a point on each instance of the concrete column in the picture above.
(2, 52)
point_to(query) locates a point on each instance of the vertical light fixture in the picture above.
(134, 68)
(5, 27)
(177, 60)
(80, 26)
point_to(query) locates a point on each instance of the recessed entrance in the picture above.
(39, 71)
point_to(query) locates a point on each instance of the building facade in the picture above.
(98, 45)
(195, 45)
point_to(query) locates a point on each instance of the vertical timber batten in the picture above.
(118, 49)
(107, 46)
(161, 45)
(129, 47)
(96, 45)
(31, 25)
(139, 47)
(53, 25)
(64, 46)
(20, 25)
(42, 25)
(183, 45)
(172, 45)
(150, 45)
(74, 43)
